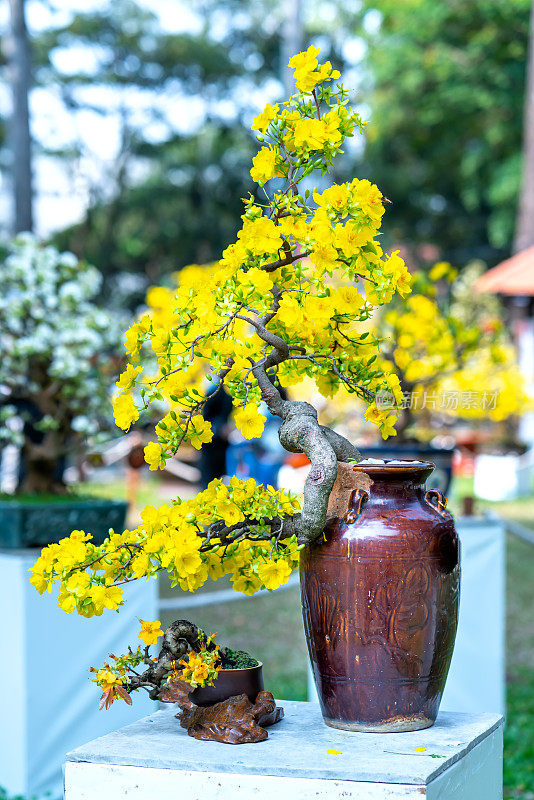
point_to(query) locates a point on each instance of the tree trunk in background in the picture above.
(524, 232)
(19, 129)
(43, 464)
(292, 41)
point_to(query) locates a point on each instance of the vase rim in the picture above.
(397, 468)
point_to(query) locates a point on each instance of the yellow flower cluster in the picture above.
(201, 669)
(172, 537)
(493, 381)
(307, 71)
(150, 631)
(113, 679)
(202, 334)
(106, 678)
(77, 590)
(447, 350)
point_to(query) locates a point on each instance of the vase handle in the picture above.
(440, 501)
(357, 499)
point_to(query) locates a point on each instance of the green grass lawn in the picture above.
(519, 730)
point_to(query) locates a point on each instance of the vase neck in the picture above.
(394, 492)
(392, 476)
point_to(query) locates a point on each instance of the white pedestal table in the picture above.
(154, 757)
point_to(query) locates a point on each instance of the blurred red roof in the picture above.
(515, 276)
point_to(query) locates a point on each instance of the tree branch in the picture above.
(180, 637)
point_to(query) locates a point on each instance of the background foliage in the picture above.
(448, 82)
(441, 83)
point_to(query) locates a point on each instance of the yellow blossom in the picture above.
(258, 279)
(274, 573)
(38, 579)
(312, 133)
(153, 456)
(249, 421)
(368, 197)
(67, 602)
(127, 378)
(306, 60)
(199, 431)
(264, 167)
(262, 121)
(245, 582)
(352, 236)
(336, 196)
(150, 631)
(124, 411)
(260, 236)
(106, 679)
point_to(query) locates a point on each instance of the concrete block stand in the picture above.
(154, 757)
(47, 701)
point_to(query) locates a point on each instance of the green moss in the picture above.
(237, 659)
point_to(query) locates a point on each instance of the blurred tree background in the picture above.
(447, 85)
(442, 84)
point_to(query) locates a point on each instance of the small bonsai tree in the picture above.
(268, 312)
(185, 652)
(56, 364)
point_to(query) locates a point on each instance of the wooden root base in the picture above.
(233, 721)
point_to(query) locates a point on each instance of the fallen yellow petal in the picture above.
(420, 749)
(334, 752)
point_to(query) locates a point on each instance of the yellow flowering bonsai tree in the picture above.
(291, 297)
(185, 652)
(448, 349)
(451, 352)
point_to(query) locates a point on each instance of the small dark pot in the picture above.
(36, 524)
(228, 683)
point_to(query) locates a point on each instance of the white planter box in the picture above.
(477, 677)
(47, 701)
(504, 477)
(156, 758)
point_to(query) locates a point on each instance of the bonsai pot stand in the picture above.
(155, 757)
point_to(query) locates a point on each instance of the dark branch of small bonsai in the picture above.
(179, 638)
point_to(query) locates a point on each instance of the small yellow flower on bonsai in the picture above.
(150, 631)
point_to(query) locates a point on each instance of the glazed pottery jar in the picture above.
(380, 603)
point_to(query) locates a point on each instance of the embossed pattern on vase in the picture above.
(380, 604)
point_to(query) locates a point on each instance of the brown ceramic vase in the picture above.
(380, 603)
